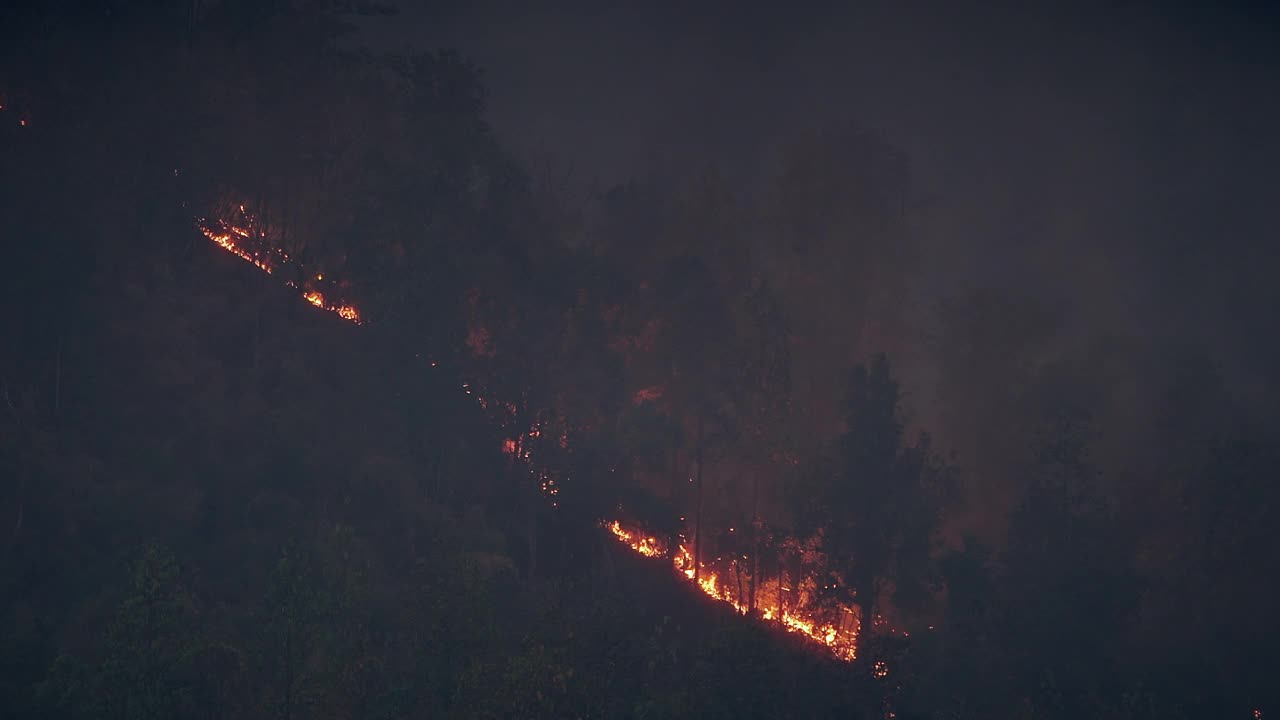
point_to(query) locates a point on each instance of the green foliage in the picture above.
(149, 655)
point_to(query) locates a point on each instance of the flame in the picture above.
(841, 639)
(346, 312)
(646, 546)
(225, 238)
(234, 237)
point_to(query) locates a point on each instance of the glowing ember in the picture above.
(346, 312)
(237, 236)
(549, 487)
(648, 394)
(224, 237)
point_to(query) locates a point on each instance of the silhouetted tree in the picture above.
(145, 670)
(700, 348)
(767, 401)
(878, 513)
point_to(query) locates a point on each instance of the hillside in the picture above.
(310, 521)
(323, 396)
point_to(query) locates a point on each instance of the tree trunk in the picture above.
(697, 508)
(673, 537)
(257, 341)
(533, 538)
(762, 390)
(193, 19)
(737, 571)
(782, 610)
(23, 463)
(437, 473)
(609, 570)
(57, 379)
(866, 616)
(287, 709)
(22, 493)
(755, 542)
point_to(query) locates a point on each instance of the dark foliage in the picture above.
(220, 501)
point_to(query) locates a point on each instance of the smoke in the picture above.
(1111, 160)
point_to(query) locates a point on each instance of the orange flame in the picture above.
(226, 241)
(230, 235)
(646, 546)
(841, 639)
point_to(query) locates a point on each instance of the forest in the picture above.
(319, 401)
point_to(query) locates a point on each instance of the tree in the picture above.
(1069, 583)
(648, 438)
(700, 349)
(1210, 500)
(841, 253)
(878, 513)
(992, 349)
(148, 651)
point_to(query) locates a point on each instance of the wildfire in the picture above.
(237, 238)
(840, 638)
(646, 546)
(346, 312)
(225, 239)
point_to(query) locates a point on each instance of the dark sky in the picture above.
(1116, 156)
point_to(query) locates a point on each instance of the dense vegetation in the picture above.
(223, 502)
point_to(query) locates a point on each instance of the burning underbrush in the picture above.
(791, 603)
(787, 599)
(241, 233)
